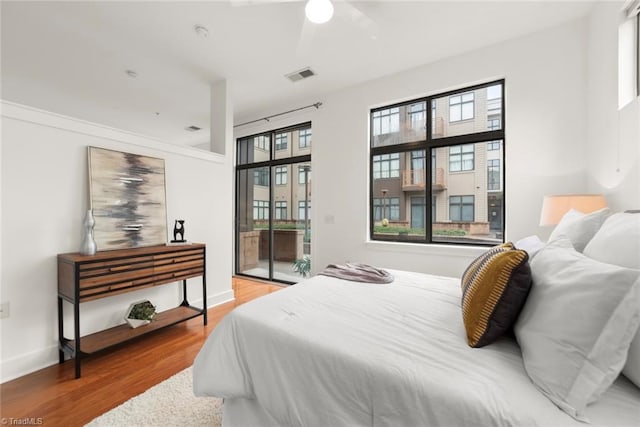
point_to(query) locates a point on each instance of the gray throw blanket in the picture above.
(358, 273)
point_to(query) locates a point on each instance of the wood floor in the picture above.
(53, 397)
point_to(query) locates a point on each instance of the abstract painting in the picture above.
(127, 193)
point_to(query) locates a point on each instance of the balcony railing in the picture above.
(413, 179)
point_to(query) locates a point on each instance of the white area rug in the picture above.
(170, 403)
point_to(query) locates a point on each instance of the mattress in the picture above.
(333, 352)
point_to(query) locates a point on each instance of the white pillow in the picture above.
(631, 369)
(577, 324)
(530, 244)
(618, 242)
(579, 227)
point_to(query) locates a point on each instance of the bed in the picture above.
(334, 352)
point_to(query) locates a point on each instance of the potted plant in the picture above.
(302, 266)
(140, 313)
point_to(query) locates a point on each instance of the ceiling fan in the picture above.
(321, 11)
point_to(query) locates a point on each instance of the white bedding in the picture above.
(329, 352)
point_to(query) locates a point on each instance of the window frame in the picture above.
(429, 144)
(243, 164)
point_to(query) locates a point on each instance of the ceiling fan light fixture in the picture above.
(319, 11)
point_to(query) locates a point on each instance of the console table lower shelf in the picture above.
(120, 334)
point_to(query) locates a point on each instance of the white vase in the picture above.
(88, 246)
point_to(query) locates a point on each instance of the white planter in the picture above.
(134, 323)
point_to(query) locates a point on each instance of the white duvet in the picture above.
(330, 352)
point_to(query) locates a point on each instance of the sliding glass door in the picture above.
(273, 204)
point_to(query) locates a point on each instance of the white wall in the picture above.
(44, 197)
(613, 135)
(545, 133)
(546, 130)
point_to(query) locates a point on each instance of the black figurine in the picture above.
(178, 229)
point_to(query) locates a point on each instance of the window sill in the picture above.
(460, 251)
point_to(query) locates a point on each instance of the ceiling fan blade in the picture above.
(306, 38)
(238, 3)
(351, 12)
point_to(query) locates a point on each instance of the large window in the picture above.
(457, 196)
(273, 209)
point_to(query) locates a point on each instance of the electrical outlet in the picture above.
(4, 310)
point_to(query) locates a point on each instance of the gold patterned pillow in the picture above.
(494, 289)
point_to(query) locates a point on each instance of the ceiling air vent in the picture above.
(300, 74)
(193, 128)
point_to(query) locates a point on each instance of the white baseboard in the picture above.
(27, 363)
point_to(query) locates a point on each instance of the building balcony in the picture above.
(413, 180)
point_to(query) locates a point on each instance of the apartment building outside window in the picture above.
(461, 208)
(417, 115)
(493, 174)
(261, 209)
(281, 175)
(493, 124)
(262, 142)
(456, 197)
(303, 176)
(461, 107)
(281, 210)
(386, 166)
(281, 141)
(461, 158)
(261, 177)
(273, 216)
(302, 212)
(304, 138)
(493, 145)
(386, 208)
(386, 121)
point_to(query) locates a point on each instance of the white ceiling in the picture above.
(71, 57)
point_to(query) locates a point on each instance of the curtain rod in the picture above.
(316, 105)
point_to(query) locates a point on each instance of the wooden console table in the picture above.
(83, 278)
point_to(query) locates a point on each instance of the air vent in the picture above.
(300, 74)
(193, 128)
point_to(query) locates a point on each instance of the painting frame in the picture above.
(127, 194)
